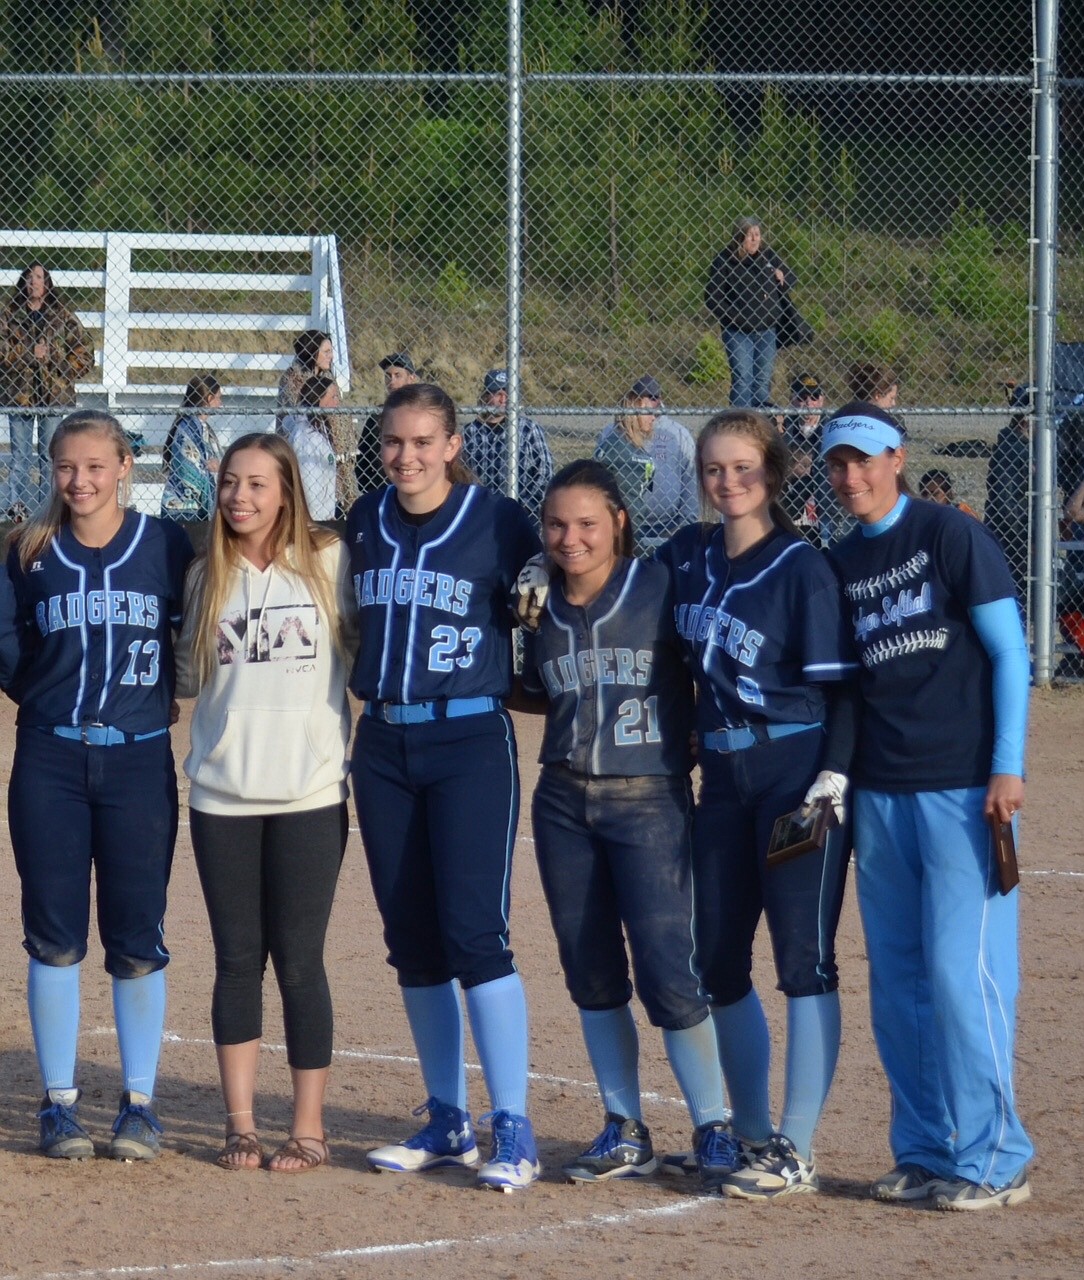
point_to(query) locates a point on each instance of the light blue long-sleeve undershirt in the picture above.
(999, 630)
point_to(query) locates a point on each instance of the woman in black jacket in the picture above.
(743, 293)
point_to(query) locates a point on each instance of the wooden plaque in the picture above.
(794, 834)
(1008, 872)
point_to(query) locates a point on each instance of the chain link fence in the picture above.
(642, 211)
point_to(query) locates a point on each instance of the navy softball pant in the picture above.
(438, 804)
(615, 858)
(73, 808)
(742, 794)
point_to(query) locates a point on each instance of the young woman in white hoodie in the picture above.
(269, 624)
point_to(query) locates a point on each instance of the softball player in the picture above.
(935, 619)
(760, 614)
(613, 813)
(98, 591)
(435, 775)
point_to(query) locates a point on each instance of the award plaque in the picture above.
(796, 833)
(1008, 873)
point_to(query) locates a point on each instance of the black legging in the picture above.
(269, 882)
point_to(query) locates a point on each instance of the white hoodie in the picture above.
(271, 729)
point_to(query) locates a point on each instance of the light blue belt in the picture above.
(423, 712)
(101, 735)
(750, 735)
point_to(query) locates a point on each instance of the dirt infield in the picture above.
(183, 1216)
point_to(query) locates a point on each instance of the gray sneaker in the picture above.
(904, 1183)
(62, 1136)
(135, 1131)
(958, 1193)
(776, 1169)
(621, 1150)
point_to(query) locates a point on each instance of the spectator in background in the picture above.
(399, 371)
(191, 454)
(802, 422)
(746, 282)
(314, 356)
(1008, 487)
(485, 447)
(43, 352)
(309, 432)
(936, 486)
(654, 460)
(807, 496)
(874, 383)
(1070, 602)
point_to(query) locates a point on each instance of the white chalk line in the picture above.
(593, 1221)
(383, 1250)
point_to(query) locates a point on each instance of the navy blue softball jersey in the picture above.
(621, 696)
(764, 630)
(925, 676)
(433, 598)
(95, 627)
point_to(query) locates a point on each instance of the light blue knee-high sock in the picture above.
(52, 995)
(139, 1007)
(812, 1050)
(745, 1053)
(498, 1022)
(436, 1023)
(614, 1049)
(694, 1058)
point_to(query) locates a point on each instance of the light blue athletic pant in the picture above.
(943, 979)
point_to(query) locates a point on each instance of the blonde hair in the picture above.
(773, 451)
(296, 544)
(34, 536)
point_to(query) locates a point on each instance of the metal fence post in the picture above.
(514, 265)
(1044, 322)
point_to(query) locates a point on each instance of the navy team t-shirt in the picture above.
(927, 719)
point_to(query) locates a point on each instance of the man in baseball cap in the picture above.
(399, 371)
(485, 446)
(653, 457)
(807, 495)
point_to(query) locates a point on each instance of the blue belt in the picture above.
(750, 735)
(101, 735)
(423, 712)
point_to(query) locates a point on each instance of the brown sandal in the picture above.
(243, 1145)
(310, 1159)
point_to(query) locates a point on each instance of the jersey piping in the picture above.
(81, 575)
(596, 638)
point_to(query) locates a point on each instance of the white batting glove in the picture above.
(531, 592)
(827, 786)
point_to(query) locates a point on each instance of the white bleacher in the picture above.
(149, 406)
